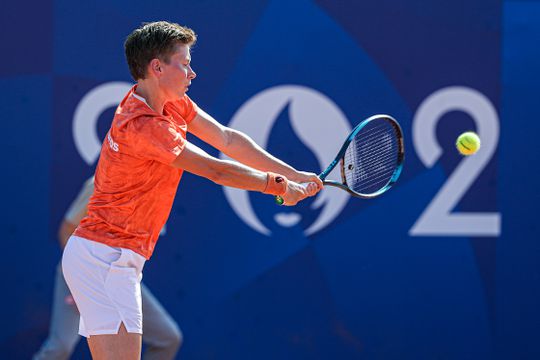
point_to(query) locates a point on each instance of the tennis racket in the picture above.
(370, 160)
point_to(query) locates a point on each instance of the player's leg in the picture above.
(63, 336)
(162, 336)
(123, 345)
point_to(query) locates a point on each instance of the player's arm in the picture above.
(76, 211)
(233, 174)
(242, 148)
(64, 232)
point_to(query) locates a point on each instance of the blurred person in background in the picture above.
(162, 336)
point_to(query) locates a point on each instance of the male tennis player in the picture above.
(162, 336)
(141, 162)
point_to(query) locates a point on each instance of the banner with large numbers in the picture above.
(421, 272)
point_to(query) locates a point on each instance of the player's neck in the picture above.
(151, 92)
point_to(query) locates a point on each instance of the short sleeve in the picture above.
(77, 209)
(185, 108)
(191, 109)
(156, 139)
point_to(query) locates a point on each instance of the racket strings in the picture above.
(370, 180)
(376, 161)
(374, 156)
(371, 177)
(373, 181)
(371, 159)
(369, 139)
(375, 174)
(375, 169)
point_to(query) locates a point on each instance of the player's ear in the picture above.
(155, 67)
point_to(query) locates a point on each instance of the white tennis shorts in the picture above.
(106, 285)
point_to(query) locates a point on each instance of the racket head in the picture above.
(372, 157)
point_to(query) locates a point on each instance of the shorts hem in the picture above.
(130, 330)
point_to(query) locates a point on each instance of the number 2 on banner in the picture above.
(438, 218)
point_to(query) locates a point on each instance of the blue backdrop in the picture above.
(445, 266)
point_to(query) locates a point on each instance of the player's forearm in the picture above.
(243, 149)
(234, 174)
(223, 172)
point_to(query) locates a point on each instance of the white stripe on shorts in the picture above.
(105, 282)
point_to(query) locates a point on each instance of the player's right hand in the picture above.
(297, 192)
(306, 177)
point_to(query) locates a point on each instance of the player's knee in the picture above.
(66, 347)
(63, 352)
(54, 348)
(175, 336)
(171, 336)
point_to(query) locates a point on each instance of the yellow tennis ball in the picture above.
(468, 143)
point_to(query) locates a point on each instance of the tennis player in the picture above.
(140, 166)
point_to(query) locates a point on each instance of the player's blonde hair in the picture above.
(154, 40)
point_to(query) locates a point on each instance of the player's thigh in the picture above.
(123, 345)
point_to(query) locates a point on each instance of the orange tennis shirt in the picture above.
(135, 184)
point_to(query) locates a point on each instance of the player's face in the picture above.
(177, 74)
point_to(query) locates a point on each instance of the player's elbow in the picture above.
(64, 232)
(228, 137)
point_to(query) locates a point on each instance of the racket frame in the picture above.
(340, 160)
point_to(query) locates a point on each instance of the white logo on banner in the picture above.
(318, 123)
(87, 113)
